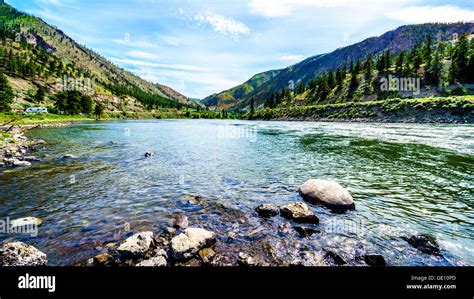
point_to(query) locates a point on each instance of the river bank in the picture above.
(458, 110)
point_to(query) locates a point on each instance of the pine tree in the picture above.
(98, 110)
(332, 79)
(434, 73)
(368, 74)
(40, 94)
(400, 63)
(6, 93)
(252, 107)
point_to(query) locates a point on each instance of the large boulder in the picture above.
(299, 212)
(188, 244)
(18, 254)
(137, 245)
(327, 193)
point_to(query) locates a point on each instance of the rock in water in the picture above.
(299, 212)
(137, 245)
(306, 231)
(246, 260)
(330, 194)
(334, 258)
(103, 259)
(424, 243)
(181, 222)
(188, 244)
(69, 157)
(375, 260)
(27, 222)
(267, 210)
(157, 261)
(18, 254)
(149, 154)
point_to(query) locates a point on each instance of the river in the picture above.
(405, 179)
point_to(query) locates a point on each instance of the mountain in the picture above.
(36, 54)
(263, 85)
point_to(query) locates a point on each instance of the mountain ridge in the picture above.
(397, 40)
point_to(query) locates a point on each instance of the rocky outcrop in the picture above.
(299, 212)
(137, 245)
(327, 193)
(18, 254)
(424, 243)
(190, 242)
(267, 210)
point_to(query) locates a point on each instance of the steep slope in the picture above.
(398, 40)
(47, 49)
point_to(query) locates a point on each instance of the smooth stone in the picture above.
(157, 261)
(137, 245)
(188, 244)
(424, 243)
(374, 260)
(18, 254)
(330, 194)
(267, 210)
(26, 222)
(103, 259)
(299, 212)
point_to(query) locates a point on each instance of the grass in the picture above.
(38, 119)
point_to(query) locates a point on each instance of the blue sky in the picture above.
(200, 47)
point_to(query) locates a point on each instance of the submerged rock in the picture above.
(181, 222)
(334, 258)
(137, 245)
(267, 210)
(188, 244)
(374, 260)
(18, 254)
(424, 243)
(299, 212)
(306, 231)
(328, 193)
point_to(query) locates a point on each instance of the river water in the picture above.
(406, 179)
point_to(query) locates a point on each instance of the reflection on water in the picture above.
(405, 179)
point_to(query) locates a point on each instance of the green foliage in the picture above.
(73, 103)
(6, 93)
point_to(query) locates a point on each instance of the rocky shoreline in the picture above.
(183, 245)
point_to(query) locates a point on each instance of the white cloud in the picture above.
(282, 8)
(426, 14)
(223, 25)
(143, 55)
(136, 62)
(292, 58)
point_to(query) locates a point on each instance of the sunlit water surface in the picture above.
(405, 179)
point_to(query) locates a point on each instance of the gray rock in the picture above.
(18, 254)
(181, 222)
(137, 245)
(157, 261)
(246, 260)
(299, 212)
(188, 244)
(330, 194)
(306, 231)
(267, 210)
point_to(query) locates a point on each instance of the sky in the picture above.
(201, 47)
